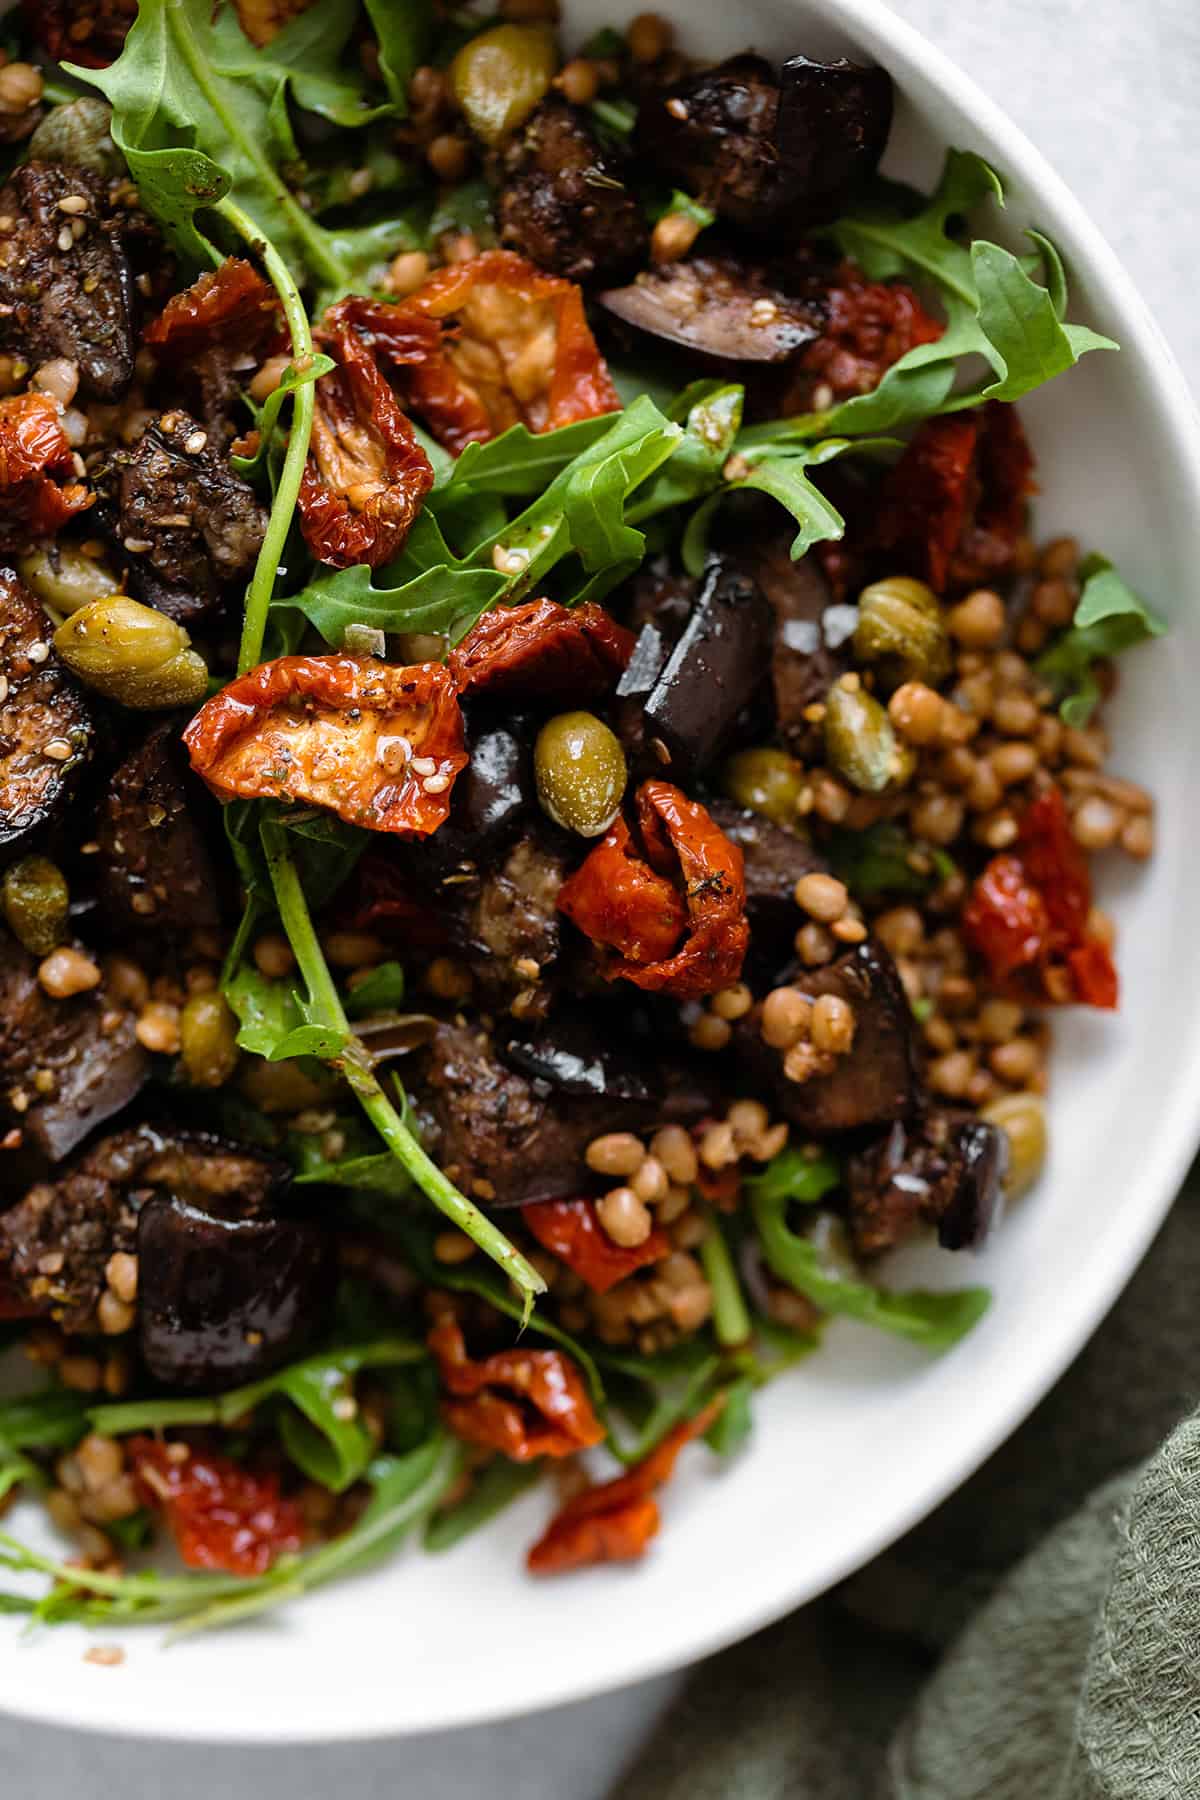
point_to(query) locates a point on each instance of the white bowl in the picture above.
(870, 1434)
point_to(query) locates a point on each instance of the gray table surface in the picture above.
(1107, 92)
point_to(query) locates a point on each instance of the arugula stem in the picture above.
(731, 1316)
(355, 1065)
(262, 582)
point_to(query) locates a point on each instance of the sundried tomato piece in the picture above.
(619, 900)
(232, 304)
(516, 346)
(543, 651)
(523, 1403)
(613, 1521)
(1027, 913)
(262, 20)
(869, 326)
(952, 509)
(378, 745)
(91, 32)
(33, 450)
(221, 1515)
(571, 1231)
(616, 899)
(366, 476)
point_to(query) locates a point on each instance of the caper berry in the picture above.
(65, 578)
(860, 742)
(900, 627)
(1022, 1118)
(131, 653)
(767, 781)
(579, 767)
(208, 1040)
(36, 902)
(499, 77)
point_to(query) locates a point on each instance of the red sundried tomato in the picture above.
(33, 449)
(515, 346)
(91, 32)
(222, 1516)
(543, 650)
(571, 1231)
(524, 1403)
(615, 1520)
(232, 304)
(366, 475)
(869, 326)
(378, 745)
(262, 20)
(1027, 913)
(952, 509)
(620, 901)
(616, 899)
(378, 898)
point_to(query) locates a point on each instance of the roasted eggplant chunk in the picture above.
(760, 148)
(942, 1169)
(75, 301)
(563, 202)
(156, 873)
(774, 861)
(720, 308)
(189, 525)
(229, 1286)
(65, 1065)
(691, 710)
(82, 1217)
(45, 720)
(811, 641)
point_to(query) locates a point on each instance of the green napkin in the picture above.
(1037, 1638)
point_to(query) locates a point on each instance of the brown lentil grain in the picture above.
(625, 1217)
(785, 1017)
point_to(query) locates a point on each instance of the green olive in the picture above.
(36, 901)
(768, 781)
(579, 767)
(78, 133)
(499, 77)
(65, 578)
(208, 1040)
(900, 627)
(131, 653)
(860, 742)
(1022, 1118)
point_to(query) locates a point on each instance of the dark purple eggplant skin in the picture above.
(768, 151)
(153, 827)
(222, 1299)
(720, 308)
(774, 861)
(493, 797)
(832, 128)
(562, 200)
(943, 1168)
(691, 712)
(573, 1054)
(974, 1211)
(877, 1081)
(43, 704)
(810, 640)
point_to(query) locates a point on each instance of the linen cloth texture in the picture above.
(1036, 1638)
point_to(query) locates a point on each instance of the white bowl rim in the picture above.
(903, 49)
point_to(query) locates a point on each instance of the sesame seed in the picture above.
(37, 653)
(137, 546)
(677, 108)
(424, 765)
(65, 240)
(3, 687)
(73, 203)
(58, 750)
(195, 444)
(436, 784)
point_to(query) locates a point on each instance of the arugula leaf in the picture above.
(199, 111)
(733, 1424)
(498, 1486)
(404, 35)
(1109, 618)
(655, 1393)
(883, 860)
(374, 1173)
(267, 420)
(679, 202)
(711, 415)
(446, 598)
(325, 1443)
(936, 1320)
(792, 1175)
(995, 309)
(781, 471)
(519, 463)
(382, 990)
(54, 1419)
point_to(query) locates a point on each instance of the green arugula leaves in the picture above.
(1109, 618)
(936, 1320)
(200, 112)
